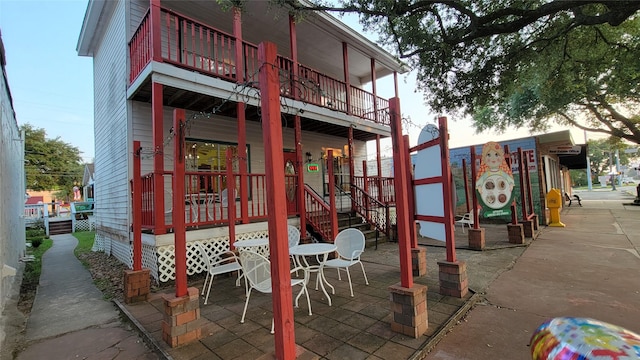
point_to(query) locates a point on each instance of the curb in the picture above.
(442, 332)
(146, 337)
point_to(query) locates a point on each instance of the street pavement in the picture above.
(587, 269)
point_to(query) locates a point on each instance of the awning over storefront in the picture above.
(575, 161)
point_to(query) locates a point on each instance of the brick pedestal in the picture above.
(181, 324)
(516, 233)
(453, 278)
(137, 285)
(527, 226)
(476, 239)
(419, 261)
(409, 308)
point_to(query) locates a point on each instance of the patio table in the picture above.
(259, 245)
(300, 253)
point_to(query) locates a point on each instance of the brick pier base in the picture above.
(409, 308)
(516, 233)
(137, 285)
(181, 324)
(453, 278)
(476, 239)
(419, 261)
(527, 226)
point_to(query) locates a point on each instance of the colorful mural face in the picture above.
(494, 181)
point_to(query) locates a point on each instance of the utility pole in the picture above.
(618, 167)
(589, 183)
(613, 176)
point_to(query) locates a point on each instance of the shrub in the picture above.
(36, 242)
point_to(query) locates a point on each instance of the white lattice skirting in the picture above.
(161, 260)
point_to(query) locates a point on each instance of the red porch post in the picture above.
(476, 235)
(347, 82)
(156, 35)
(178, 203)
(410, 196)
(379, 164)
(231, 200)
(332, 195)
(446, 189)
(466, 187)
(137, 208)
(241, 117)
(365, 176)
(402, 208)
(301, 205)
(352, 165)
(376, 116)
(158, 158)
(285, 347)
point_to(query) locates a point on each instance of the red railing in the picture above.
(318, 214)
(206, 198)
(375, 212)
(189, 44)
(380, 188)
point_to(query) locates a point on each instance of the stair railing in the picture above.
(373, 211)
(318, 213)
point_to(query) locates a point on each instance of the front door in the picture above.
(290, 180)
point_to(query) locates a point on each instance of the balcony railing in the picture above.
(189, 44)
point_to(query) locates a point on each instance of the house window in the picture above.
(210, 156)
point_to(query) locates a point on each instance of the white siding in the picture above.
(137, 9)
(224, 129)
(12, 235)
(111, 161)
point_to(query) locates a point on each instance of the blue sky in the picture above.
(52, 87)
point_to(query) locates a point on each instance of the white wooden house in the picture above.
(154, 56)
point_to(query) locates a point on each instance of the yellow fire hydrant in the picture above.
(554, 203)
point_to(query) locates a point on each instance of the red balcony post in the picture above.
(332, 196)
(137, 208)
(302, 208)
(373, 89)
(345, 61)
(180, 243)
(285, 346)
(231, 199)
(466, 187)
(402, 206)
(158, 157)
(365, 187)
(410, 195)
(156, 35)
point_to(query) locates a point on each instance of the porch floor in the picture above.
(354, 327)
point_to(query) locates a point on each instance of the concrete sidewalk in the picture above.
(70, 319)
(590, 269)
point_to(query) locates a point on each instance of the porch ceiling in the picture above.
(180, 98)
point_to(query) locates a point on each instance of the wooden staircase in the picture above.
(60, 227)
(353, 220)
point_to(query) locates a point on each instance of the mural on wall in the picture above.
(529, 148)
(494, 182)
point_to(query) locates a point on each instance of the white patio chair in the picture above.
(294, 239)
(257, 271)
(466, 219)
(219, 263)
(350, 244)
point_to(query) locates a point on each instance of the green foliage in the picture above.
(51, 163)
(85, 242)
(516, 63)
(32, 269)
(578, 178)
(602, 155)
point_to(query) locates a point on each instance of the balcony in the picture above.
(191, 45)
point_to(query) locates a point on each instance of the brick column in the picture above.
(476, 239)
(527, 226)
(453, 278)
(516, 233)
(409, 308)
(181, 324)
(419, 261)
(137, 285)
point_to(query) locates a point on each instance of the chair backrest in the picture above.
(204, 256)
(294, 235)
(256, 269)
(350, 243)
(224, 196)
